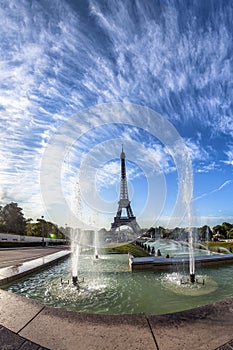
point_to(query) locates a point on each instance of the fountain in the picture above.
(110, 287)
(207, 236)
(75, 236)
(96, 245)
(188, 192)
(186, 183)
(130, 115)
(191, 258)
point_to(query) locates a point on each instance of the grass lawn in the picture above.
(124, 248)
(214, 245)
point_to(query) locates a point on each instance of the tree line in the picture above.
(12, 220)
(204, 233)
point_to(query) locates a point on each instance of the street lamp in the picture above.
(42, 229)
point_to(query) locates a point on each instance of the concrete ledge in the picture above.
(207, 327)
(13, 273)
(63, 329)
(16, 311)
(154, 263)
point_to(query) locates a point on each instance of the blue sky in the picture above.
(60, 58)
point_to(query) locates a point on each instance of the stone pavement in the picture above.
(12, 341)
(28, 324)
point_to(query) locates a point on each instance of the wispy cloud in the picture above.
(229, 154)
(186, 61)
(226, 183)
(109, 174)
(196, 150)
(57, 59)
(206, 168)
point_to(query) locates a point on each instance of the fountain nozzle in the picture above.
(75, 280)
(192, 278)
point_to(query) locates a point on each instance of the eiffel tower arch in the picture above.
(124, 203)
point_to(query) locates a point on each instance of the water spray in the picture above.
(192, 280)
(64, 283)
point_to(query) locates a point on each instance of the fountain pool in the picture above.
(110, 288)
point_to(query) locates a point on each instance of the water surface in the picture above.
(110, 287)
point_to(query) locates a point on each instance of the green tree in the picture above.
(52, 230)
(228, 227)
(205, 233)
(151, 232)
(13, 218)
(36, 229)
(3, 227)
(62, 232)
(220, 229)
(230, 234)
(28, 229)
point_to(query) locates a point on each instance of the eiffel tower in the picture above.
(124, 203)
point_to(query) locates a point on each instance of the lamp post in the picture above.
(65, 235)
(42, 229)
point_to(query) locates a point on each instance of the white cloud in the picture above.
(196, 151)
(205, 168)
(109, 174)
(229, 154)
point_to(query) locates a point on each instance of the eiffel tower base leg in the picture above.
(131, 222)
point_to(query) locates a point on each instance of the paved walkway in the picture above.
(28, 324)
(16, 256)
(12, 341)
